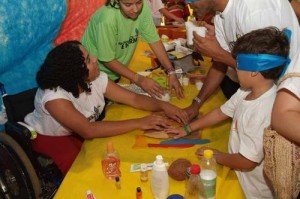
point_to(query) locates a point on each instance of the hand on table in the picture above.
(179, 132)
(151, 87)
(174, 84)
(176, 113)
(156, 122)
(192, 111)
(209, 44)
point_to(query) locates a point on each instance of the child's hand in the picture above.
(178, 131)
(200, 151)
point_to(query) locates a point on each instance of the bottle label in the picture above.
(210, 187)
(110, 166)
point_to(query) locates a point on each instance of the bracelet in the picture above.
(170, 69)
(187, 129)
(171, 73)
(198, 100)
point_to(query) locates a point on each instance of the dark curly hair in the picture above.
(64, 67)
(264, 41)
(113, 3)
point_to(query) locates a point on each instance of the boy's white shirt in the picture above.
(243, 16)
(89, 104)
(249, 119)
(155, 6)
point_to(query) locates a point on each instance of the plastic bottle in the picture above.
(111, 162)
(208, 174)
(159, 179)
(194, 188)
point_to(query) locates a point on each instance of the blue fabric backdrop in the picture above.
(27, 31)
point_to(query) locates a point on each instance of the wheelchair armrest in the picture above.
(20, 133)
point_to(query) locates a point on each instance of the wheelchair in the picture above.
(24, 173)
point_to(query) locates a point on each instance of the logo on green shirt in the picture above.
(131, 40)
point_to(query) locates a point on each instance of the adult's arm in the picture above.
(212, 81)
(161, 54)
(147, 84)
(165, 12)
(286, 115)
(121, 95)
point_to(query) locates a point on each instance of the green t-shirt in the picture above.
(110, 35)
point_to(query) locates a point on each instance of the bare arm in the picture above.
(211, 118)
(162, 56)
(147, 84)
(119, 94)
(212, 82)
(166, 13)
(235, 161)
(286, 115)
(210, 46)
(296, 6)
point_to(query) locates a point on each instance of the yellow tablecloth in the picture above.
(86, 172)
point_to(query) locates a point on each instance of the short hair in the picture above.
(264, 41)
(64, 67)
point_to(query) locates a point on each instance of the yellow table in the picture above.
(86, 173)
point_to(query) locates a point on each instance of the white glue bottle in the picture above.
(159, 179)
(208, 174)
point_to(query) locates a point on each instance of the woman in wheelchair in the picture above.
(71, 97)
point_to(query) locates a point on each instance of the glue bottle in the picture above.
(111, 162)
(159, 179)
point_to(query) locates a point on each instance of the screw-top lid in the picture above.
(208, 153)
(195, 169)
(110, 147)
(159, 160)
(117, 178)
(138, 189)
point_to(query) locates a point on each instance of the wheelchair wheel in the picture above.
(18, 178)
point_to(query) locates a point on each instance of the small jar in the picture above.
(144, 173)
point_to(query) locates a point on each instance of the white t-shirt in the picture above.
(293, 83)
(89, 104)
(242, 16)
(249, 119)
(155, 6)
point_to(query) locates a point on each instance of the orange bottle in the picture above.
(111, 162)
(139, 194)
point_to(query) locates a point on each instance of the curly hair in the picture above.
(264, 41)
(64, 67)
(113, 3)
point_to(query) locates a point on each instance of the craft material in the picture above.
(144, 173)
(111, 162)
(139, 193)
(208, 173)
(137, 166)
(177, 169)
(194, 187)
(190, 28)
(90, 195)
(159, 179)
(117, 182)
(185, 141)
(170, 145)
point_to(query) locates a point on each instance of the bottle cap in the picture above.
(159, 160)
(138, 189)
(195, 169)
(208, 153)
(117, 178)
(110, 147)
